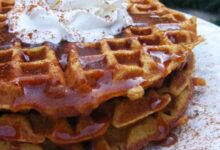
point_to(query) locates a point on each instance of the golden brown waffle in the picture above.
(34, 128)
(155, 12)
(140, 119)
(158, 126)
(5, 6)
(5, 38)
(144, 131)
(119, 93)
(152, 128)
(28, 129)
(2, 20)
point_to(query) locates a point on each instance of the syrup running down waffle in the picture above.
(168, 110)
(119, 93)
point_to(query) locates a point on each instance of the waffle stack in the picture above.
(119, 93)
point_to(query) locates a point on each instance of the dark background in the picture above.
(208, 10)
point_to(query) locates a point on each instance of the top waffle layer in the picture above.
(73, 79)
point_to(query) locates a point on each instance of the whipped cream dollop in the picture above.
(38, 21)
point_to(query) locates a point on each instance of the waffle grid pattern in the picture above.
(170, 117)
(143, 52)
(149, 64)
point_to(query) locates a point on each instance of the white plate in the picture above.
(202, 132)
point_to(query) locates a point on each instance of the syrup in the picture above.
(168, 26)
(163, 128)
(93, 62)
(150, 20)
(170, 140)
(86, 133)
(6, 39)
(8, 131)
(62, 52)
(72, 102)
(88, 50)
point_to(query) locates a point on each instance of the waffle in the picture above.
(124, 66)
(120, 93)
(162, 108)
(5, 6)
(153, 127)
(2, 20)
(28, 129)
(5, 38)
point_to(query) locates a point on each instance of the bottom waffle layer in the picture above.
(117, 124)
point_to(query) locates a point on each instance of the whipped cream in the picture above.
(38, 21)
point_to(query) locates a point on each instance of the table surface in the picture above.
(202, 132)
